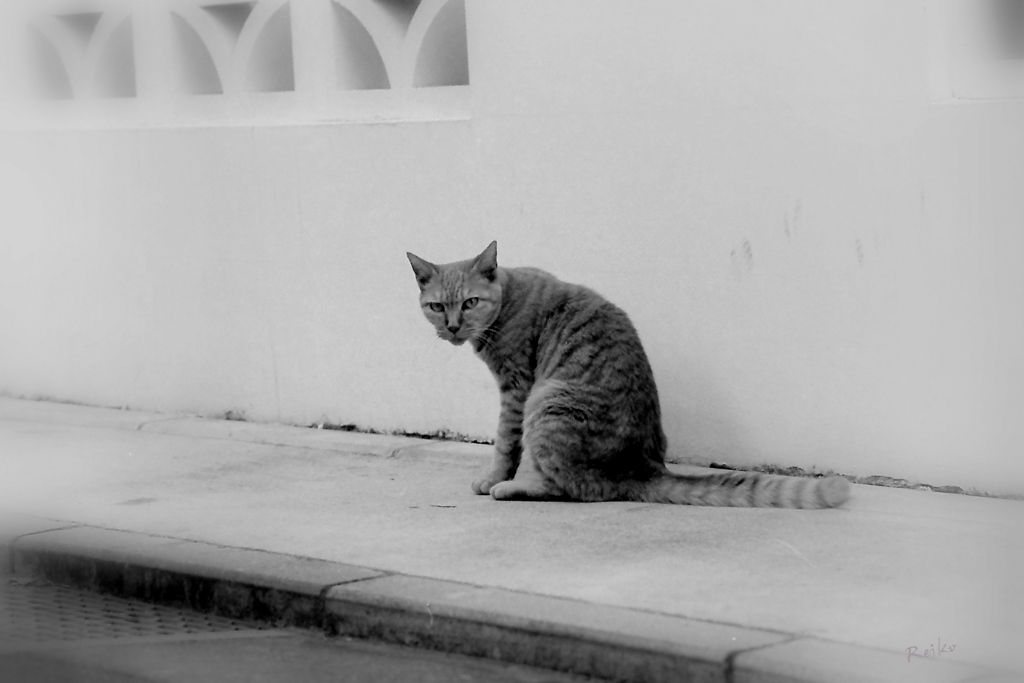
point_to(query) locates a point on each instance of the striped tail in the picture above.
(746, 489)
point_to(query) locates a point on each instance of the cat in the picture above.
(580, 418)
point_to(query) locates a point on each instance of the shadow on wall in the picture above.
(700, 420)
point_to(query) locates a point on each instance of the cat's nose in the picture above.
(454, 328)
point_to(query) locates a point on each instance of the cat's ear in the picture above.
(487, 262)
(424, 270)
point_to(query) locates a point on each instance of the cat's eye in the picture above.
(436, 307)
(470, 303)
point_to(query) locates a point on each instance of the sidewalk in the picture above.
(380, 536)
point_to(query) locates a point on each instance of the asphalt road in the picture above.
(53, 634)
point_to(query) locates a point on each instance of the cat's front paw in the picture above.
(483, 486)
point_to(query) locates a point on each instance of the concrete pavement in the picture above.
(381, 537)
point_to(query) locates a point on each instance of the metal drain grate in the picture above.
(39, 612)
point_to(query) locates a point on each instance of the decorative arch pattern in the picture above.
(408, 37)
(229, 48)
(84, 54)
(247, 44)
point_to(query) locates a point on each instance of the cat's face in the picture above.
(461, 299)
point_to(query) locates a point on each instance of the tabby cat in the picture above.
(579, 418)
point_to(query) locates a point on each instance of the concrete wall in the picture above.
(811, 217)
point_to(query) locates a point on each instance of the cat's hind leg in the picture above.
(552, 435)
(528, 483)
(574, 436)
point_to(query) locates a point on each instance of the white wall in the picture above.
(816, 236)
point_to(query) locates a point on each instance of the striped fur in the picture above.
(579, 416)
